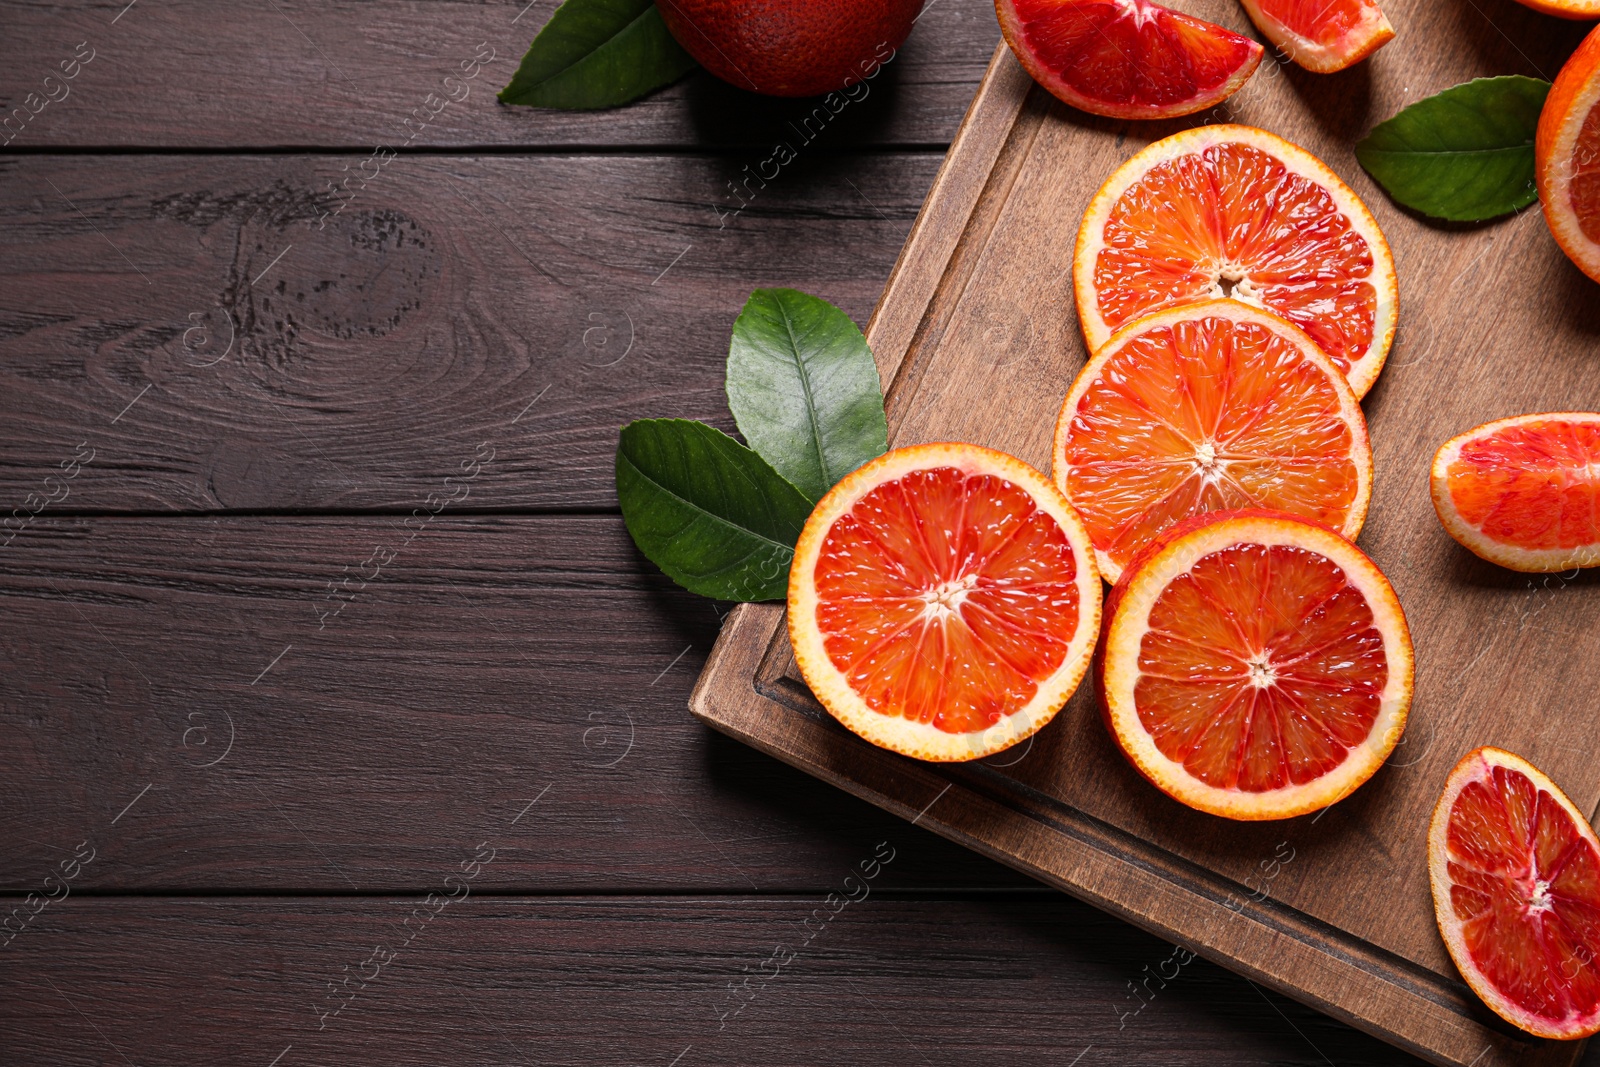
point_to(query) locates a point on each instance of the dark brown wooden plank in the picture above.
(491, 980)
(536, 304)
(348, 74)
(485, 662)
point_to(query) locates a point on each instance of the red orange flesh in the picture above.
(1515, 871)
(1566, 150)
(943, 601)
(1255, 666)
(1128, 59)
(1236, 211)
(1524, 492)
(1322, 35)
(1209, 407)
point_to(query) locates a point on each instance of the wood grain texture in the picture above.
(348, 74)
(379, 724)
(1494, 321)
(534, 303)
(493, 980)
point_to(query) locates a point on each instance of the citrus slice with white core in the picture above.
(1235, 211)
(943, 601)
(1255, 665)
(1515, 870)
(1209, 407)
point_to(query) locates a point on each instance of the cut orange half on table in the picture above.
(1209, 407)
(1126, 59)
(943, 601)
(1523, 492)
(1515, 869)
(1255, 665)
(1235, 211)
(1322, 35)
(1566, 153)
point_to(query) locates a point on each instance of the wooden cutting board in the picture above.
(976, 340)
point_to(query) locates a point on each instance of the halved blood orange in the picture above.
(943, 601)
(1322, 35)
(1566, 9)
(1209, 407)
(1515, 869)
(1566, 153)
(1255, 665)
(1235, 211)
(1126, 59)
(1524, 492)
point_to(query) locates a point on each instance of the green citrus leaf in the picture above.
(1465, 154)
(708, 511)
(804, 390)
(598, 53)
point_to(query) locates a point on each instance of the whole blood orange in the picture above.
(1209, 407)
(1322, 35)
(1515, 869)
(1126, 59)
(1235, 211)
(1255, 665)
(790, 47)
(943, 601)
(1566, 152)
(1522, 492)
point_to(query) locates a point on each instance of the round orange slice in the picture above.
(1322, 35)
(1209, 407)
(1255, 666)
(943, 601)
(1524, 492)
(1515, 869)
(1566, 153)
(1235, 211)
(1126, 59)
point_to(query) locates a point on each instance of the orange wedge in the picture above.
(1322, 35)
(1515, 870)
(943, 601)
(1524, 492)
(1126, 59)
(1255, 665)
(1236, 211)
(1566, 152)
(1209, 407)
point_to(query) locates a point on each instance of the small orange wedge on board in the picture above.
(1515, 870)
(1323, 36)
(1524, 492)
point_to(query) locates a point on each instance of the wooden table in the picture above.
(321, 633)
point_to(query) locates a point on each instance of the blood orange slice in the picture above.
(1566, 153)
(1566, 9)
(1322, 35)
(1515, 869)
(1524, 492)
(943, 601)
(1235, 211)
(1126, 59)
(1255, 666)
(1209, 407)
